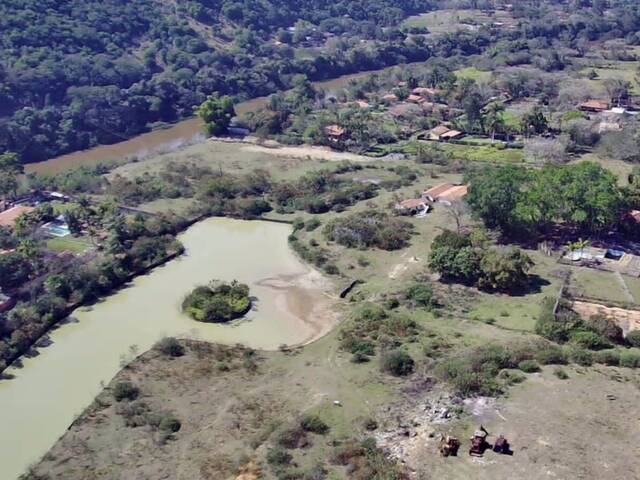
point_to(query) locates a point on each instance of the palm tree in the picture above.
(494, 121)
(580, 245)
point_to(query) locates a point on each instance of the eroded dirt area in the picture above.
(586, 427)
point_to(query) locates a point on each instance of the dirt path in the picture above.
(625, 288)
(305, 151)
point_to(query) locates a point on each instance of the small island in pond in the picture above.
(218, 302)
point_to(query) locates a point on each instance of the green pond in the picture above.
(51, 389)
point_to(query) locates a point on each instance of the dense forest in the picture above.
(74, 73)
(77, 73)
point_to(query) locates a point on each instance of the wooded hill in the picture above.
(76, 73)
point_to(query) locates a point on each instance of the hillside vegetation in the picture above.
(74, 73)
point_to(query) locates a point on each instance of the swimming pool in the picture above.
(56, 230)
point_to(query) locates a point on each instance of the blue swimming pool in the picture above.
(57, 230)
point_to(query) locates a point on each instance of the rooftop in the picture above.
(334, 130)
(595, 105)
(440, 130)
(413, 203)
(449, 191)
(8, 217)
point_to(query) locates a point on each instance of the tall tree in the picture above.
(216, 112)
(10, 168)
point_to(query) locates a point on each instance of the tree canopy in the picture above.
(584, 196)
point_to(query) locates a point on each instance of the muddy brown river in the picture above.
(50, 390)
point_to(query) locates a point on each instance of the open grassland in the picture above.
(69, 243)
(447, 21)
(231, 157)
(633, 284)
(598, 284)
(609, 70)
(485, 154)
(473, 73)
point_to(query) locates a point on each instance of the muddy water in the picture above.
(46, 394)
(160, 140)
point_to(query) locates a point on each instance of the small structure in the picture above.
(334, 132)
(437, 132)
(445, 192)
(417, 99)
(502, 446)
(413, 206)
(390, 98)
(425, 91)
(405, 110)
(452, 135)
(449, 446)
(9, 216)
(57, 228)
(479, 442)
(61, 197)
(595, 106)
(444, 133)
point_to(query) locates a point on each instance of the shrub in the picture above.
(363, 347)
(277, 457)
(169, 424)
(359, 357)
(312, 224)
(529, 366)
(369, 229)
(125, 391)
(560, 373)
(421, 295)
(293, 437)
(606, 328)
(581, 356)
(363, 261)
(557, 328)
(589, 340)
(370, 424)
(396, 362)
(170, 347)
(551, 355)
(634, 338)
(511, 378)
(331, 269)
(607, 357)
(314, 424)
(630, 359)
(298, 224)
(474, 372)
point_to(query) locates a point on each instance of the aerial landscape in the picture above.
(312, 240)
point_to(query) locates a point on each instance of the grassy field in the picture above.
(598, 284)
(446, 21)
(615, 70)
(485, 154)
(226, 156)
(633, 284)
(69, 243)
(473, 74)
